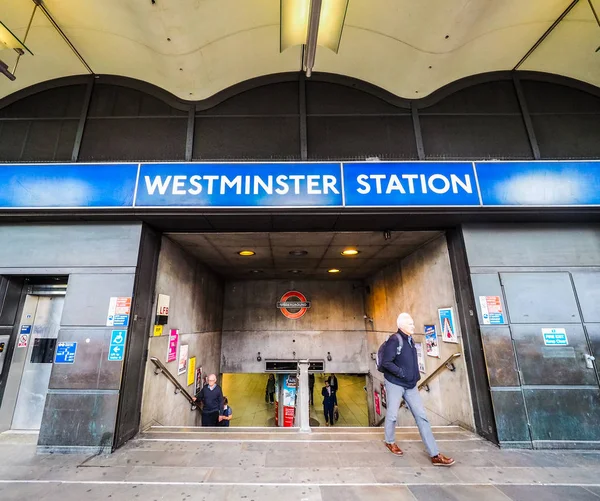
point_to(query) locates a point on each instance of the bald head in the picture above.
(212, 380)
(406, 323)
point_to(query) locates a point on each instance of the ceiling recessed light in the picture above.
(333, 270)
(350, 252)
(296, 272)
(298, 253)
(256, 271)
(246, 253)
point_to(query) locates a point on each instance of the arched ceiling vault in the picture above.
(197, 48)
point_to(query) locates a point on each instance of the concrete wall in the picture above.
(420, 284)
(334, 323)
(196, 311)
(100, 260)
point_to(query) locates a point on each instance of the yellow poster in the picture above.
(191, 371)
(158, 330)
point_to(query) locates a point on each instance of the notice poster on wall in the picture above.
(290, 385)
(119, 309)
(383, 394)
(491, 310)
(198, 380)
(420, 357)
(377, 403)
(173, 342)
(191, 371)
(431, 341)
(446, 316)
(183, 359)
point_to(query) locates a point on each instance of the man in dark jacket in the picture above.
(211, 399)
(401, 373)
(329, 403)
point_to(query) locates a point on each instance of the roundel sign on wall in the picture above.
(293, 304)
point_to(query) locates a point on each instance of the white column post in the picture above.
(303, 397)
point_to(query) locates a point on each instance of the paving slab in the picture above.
(364, 493)
(333, 475)
(547, 493)
(458, 493)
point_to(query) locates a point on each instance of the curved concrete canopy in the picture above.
(196, 48)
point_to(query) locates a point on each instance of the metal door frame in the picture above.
(475, 363)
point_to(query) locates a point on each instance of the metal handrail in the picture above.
(161, 369)
(447, 365)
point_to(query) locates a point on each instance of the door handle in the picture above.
(589, 359)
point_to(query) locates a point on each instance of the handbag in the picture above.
(336, 414)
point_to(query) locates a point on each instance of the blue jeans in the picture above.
(395, 394)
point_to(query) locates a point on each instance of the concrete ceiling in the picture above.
(196, 48)
(219, 251)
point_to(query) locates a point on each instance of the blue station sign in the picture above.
(410, 184)
(300, 185)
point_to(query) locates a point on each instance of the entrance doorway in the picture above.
(252, 405)
(239, 301)
(41, 320)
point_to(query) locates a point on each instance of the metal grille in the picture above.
(566, 120)
(134, 139)
(361, 137)
(484, 121)
(264, 138)
(475, 137)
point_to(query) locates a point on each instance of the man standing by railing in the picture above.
(401, 372)
(211, 402)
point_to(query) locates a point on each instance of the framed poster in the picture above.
(431, 341)
(420, 357)
(199, 382)
(173, 342)
(446, 316)
(191, 371)
(183, 359)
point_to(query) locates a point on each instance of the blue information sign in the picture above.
(120, 320)
(555, 337)
(410, 184)
(539, 183)
(67, 185)
(65, 353)
(240, 185)
(116, 352)
(25, 329)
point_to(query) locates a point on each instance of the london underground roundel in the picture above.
(293, 305)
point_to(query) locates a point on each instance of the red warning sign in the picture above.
(23, 341)
(293, 305)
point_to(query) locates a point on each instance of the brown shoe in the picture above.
(441, 460)
(394, 449)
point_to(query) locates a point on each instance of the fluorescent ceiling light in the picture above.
(331, 24)
(294, 23)
(312, 23)
(9, 41)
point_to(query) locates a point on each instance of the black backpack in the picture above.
(381, 349)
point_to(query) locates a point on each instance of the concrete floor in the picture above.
(330, 464)
(246, 394)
